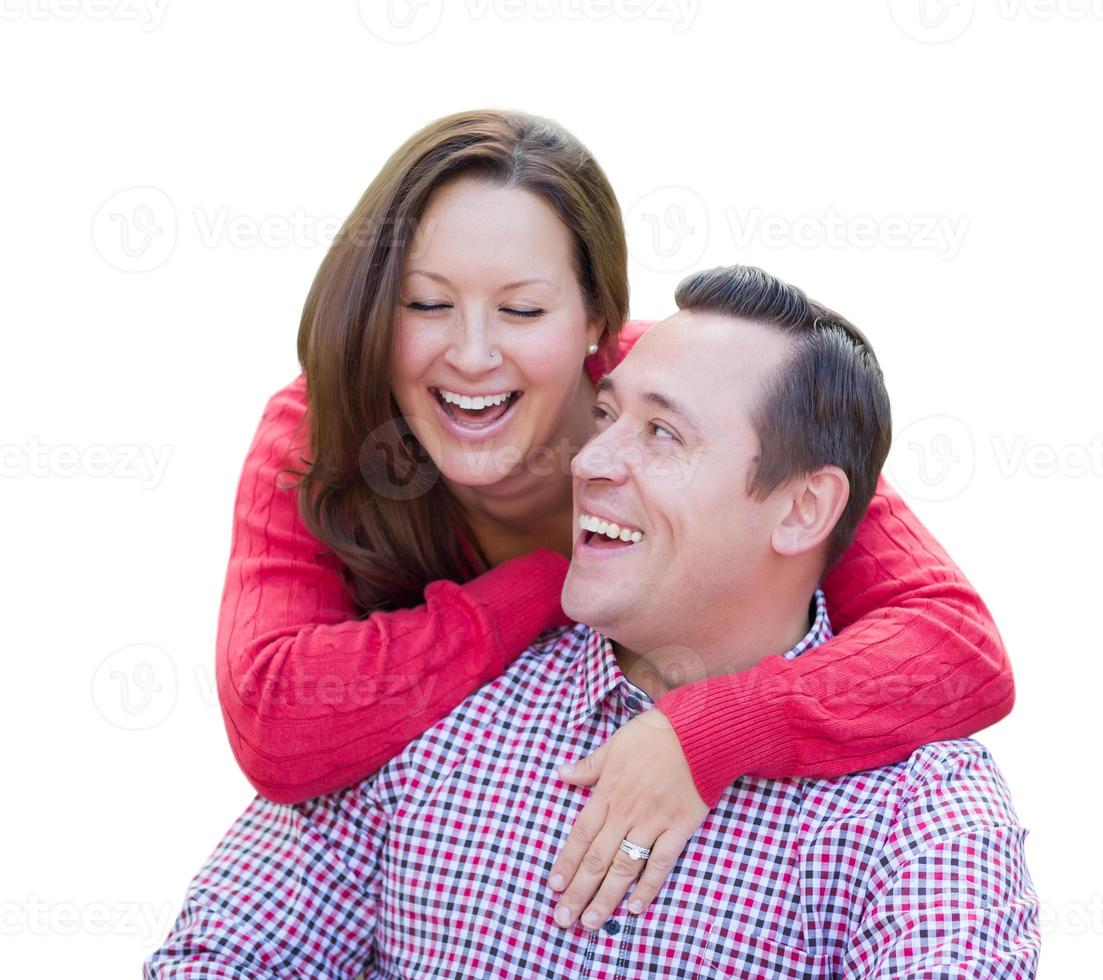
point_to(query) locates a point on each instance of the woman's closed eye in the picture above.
(421, 307)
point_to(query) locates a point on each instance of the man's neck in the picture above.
(757, 628)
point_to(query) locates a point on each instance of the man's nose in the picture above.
(604, 457)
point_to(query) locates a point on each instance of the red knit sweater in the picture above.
(315, 699)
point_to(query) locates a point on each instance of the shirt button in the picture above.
(612, 927)
(632, 704)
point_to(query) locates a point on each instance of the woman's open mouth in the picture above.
(475, 412)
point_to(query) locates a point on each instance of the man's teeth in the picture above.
(476, 402)
(613, 531)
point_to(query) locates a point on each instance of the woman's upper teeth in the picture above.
(472, 401)
(601, 526)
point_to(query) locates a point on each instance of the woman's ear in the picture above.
(812, 507)
(595, 331)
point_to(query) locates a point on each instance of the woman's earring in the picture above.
(592, 349)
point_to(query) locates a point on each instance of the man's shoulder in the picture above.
(933, 761)
(957, 780)
(943, 790)
(952, 766)
(957, 763)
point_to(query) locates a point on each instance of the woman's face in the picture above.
(491, 331)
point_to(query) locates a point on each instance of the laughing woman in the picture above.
(404, 515)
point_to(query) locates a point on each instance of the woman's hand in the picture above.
(643, 790)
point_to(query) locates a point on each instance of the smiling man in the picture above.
(738, 446)
(742, 454)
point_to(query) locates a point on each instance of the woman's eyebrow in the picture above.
(436, 276)
(527, 282)
(429, 275)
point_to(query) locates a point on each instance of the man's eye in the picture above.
(428, 307)
(524, 314)
(661, 431)
(599, 414)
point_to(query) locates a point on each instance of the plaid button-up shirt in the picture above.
(438, 864)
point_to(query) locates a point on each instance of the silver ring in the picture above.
(637, 852)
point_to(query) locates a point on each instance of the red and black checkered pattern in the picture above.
(438, 865)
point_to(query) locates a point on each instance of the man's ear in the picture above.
(812, 506)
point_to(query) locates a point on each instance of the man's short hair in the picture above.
(826, 406)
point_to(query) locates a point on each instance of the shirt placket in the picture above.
(608, 952)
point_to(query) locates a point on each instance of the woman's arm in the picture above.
(917, 658)
(315, 699)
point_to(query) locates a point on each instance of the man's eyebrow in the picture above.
(606, 387)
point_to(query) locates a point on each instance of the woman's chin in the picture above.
(482, 468)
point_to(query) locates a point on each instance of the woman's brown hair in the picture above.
(397, 534)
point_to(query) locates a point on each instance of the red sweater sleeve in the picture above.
(916, 659)
(314, 698)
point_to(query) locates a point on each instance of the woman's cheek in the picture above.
(404, 351)
(555, 358)
(410, 359)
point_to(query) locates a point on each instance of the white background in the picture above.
(172, 174)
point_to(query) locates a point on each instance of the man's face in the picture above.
(671, 461)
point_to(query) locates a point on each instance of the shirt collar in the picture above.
(595, 673)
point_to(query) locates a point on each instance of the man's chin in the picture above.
(583, 604)
(602, 610)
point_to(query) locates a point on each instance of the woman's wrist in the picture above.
(522, 597)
